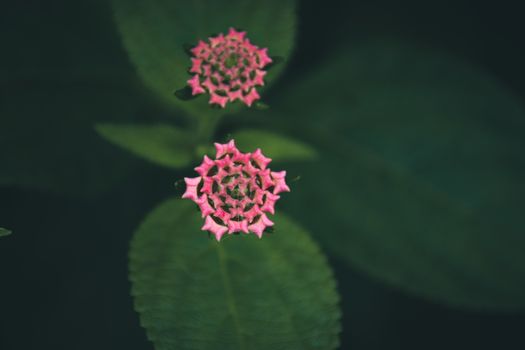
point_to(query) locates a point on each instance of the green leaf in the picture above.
(4, 232)
(161, 144)
(155, 33)
(242, 293)
(422, 177)
(275, 146)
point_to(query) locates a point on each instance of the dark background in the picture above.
(64, 270)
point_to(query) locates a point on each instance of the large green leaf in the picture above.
(242, 293)
(4, 232)
(161, 144)
(274, 145)
(422, 177)
(155, 31)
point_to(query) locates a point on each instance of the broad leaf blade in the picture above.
(274, 145)
(161, 144)
(242, 293)
(422, 173)
(155, 33)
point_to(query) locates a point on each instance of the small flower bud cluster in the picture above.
(235, 191)
(229, 68)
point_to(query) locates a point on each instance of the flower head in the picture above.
(235, 191)
(229, 68)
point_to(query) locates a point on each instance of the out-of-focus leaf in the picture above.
(60, 45)
(70, 73)
(242, 293)
(422, 177)
(47, 139)
(4, 232)
(155, 33)
(161, 144)
(274, 145)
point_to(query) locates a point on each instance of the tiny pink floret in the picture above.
(229, 68)
(235, 191)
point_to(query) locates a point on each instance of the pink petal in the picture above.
(260, 159)
(259, 77)
(251, 97)
(215, 41)
(269, 204)
(196, 65)
(191, 188)
(266, 179)
(195, 85)
(219, 100)
(264, 59)
(225, 148)
(252, 213)
(208, 84)
(240, 157)
(207, 185)
(221, 173)
(233, 34)
(204, 206)
(249, 46)
(206, 68)
(261, 224)
(280, 183)
(258, 198)
(223, 215)
(205, 166)
(213, 227)
(200, 48)
(238, 226)
(235, 95)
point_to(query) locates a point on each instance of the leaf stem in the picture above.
(205, 129)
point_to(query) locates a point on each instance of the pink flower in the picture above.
(228, 68)
(235, 191)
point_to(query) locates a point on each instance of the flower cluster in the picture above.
(235, 191)
(229, 68)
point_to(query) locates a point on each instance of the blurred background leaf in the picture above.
(70, 73)
(241, 293)
(4, 232)
(276, 146)
(56, 147)
(154, 33)
(162, 144)
(422, 173)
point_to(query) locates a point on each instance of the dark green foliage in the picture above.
(276, 60)
(421, 181)
(4, 232)
(260, 106)
(242, 293)
(185, 94)
(169, 146)
(276, 146)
